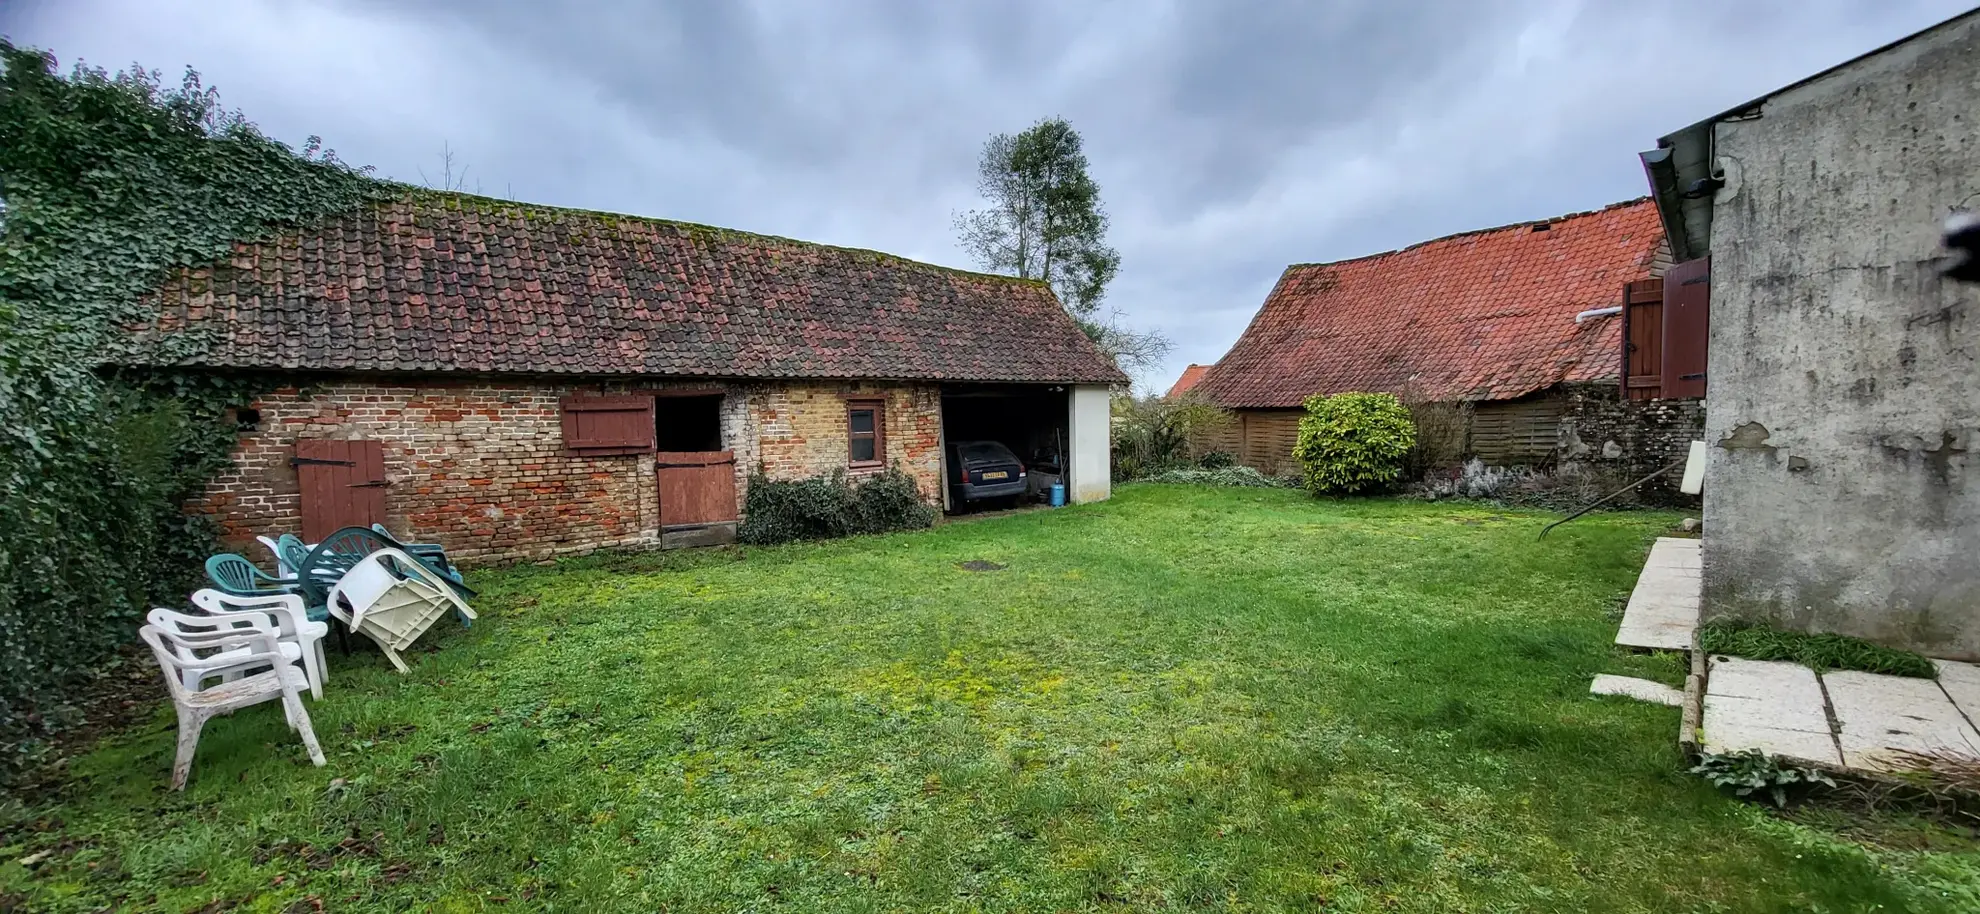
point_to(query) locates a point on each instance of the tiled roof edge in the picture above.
(1471, 232)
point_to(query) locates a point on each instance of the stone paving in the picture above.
(1663, 609)
(1841, 719)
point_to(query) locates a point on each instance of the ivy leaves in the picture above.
(107, 183)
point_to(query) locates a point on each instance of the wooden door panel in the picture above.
(342, 483)
(696, 487)
(1687, 327)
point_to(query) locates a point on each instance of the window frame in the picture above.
(879, 434)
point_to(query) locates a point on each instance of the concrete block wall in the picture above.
(1844, 393)
(480, 466)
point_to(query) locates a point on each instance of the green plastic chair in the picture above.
(233, 574)
(290, 547)
(323, 566)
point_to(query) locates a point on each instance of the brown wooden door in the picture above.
(696, 487)
(1687, 326)
(343, 485)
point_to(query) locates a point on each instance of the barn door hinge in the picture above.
(319, 461)
(375, 484)
(1700, 376)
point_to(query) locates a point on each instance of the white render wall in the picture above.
(1092, 443)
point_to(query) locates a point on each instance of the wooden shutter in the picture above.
(342, 483)
(1687, 303)
(1643, 339)
(602, 426)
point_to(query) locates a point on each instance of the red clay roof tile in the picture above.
(453, 283)
(1190, 376)
(1486, 315)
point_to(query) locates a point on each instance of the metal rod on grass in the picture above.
(1611, 496)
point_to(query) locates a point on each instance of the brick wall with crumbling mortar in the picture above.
(480, 466)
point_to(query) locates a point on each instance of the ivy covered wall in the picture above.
(107, 183)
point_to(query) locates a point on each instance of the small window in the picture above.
(866, 434)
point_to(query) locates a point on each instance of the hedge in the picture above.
(824, 507)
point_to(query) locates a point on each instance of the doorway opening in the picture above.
(683, 424)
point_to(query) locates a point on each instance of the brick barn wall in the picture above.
(480, 467)
(800, 430)
(1631, 438)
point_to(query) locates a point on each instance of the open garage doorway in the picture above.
(987, 427)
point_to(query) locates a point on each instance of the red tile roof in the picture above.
(1487, 314)
(455, 283)
(1190, 376)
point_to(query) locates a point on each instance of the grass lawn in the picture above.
(1180, 699)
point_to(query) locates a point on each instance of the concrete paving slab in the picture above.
(1738, 678)
(1724, 712)
(1639, 689)
(1663, 608)
(1962, 683)
(1877, 714)
(1794, 744)
(1767, 705)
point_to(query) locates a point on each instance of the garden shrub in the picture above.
(106, 184)
(1353, 443)
(824, 507)
(1224, 476)
(1156, 434)
(1217, 460)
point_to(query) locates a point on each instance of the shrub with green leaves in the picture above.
(823, 507)
(1353, 443)
(1237, 477)
(1755, 772)
(106, 184)
(1217, 460)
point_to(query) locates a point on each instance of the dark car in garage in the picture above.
(983, 471)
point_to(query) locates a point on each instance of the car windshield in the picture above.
(986, 452)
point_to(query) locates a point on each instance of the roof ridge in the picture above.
(1470, 232)
(411, 193)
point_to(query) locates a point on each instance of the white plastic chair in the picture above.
(202, 627)
(282, 569)
(284, 613)
(392, 599)
(234, 650)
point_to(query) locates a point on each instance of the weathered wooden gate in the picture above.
(696, 487)
(342, 482)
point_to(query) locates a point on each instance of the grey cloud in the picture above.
(1230, 137)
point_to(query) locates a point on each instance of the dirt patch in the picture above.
(980, 565)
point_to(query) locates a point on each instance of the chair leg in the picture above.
(312, 662)
(393, 656)
(190, 722)
(292, 704)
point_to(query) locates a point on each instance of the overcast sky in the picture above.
(1228, 138)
